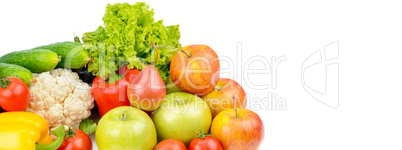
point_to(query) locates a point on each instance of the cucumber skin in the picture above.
(76, 60)
(10, 70)
(37, 61)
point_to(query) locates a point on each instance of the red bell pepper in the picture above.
(112, 95)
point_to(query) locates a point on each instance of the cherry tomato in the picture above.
(170, 144)
(14, 94)
(80, 141)
(205, 142)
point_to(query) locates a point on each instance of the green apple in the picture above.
(171, 87)
(181, 116)
(125, 127)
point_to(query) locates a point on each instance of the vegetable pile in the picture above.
(150, 92)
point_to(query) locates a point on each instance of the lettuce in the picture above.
(126, 39)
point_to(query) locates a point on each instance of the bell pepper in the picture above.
(109, 94)
(27, 131)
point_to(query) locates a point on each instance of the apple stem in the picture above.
(235, 107)
(124, 116)
(177, 102)
(185, 53)
(188, 99)
(157, 54)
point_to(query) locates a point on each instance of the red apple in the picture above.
(195, 69)
(221, 97)
(246, 131)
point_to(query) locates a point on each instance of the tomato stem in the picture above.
(4, 82)
(70, 133)
(202, 134)
(157, 54)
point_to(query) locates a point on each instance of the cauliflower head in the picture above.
(61, 98)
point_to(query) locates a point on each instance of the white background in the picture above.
(369, 35)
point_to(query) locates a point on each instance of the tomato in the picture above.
(131, 74)
(170, 144)
(123, 70)
(76, 140)
(14, 94)
(205, 142)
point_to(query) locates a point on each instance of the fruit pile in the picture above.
(151, 92)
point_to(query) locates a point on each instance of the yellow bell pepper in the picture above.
(27, 131)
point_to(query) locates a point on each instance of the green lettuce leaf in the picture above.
(87, 126)
(126, 39)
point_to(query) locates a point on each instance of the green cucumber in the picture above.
(37, 60)
(10, 70)
(72, 54)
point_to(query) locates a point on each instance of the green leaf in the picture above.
(126, 39)
(87, 126)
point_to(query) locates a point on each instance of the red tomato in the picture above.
(14, 94)
(123, 70)
(80, 141)
(170, 144)
(131, 74)
(205, 142)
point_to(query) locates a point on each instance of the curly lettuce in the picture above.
(126, 39)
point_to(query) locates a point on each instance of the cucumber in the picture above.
(37, 61)
(10, 70)
(72, 54)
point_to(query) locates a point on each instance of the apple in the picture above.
(221, 97)
(125, 127)
(195, 69)
(181, 116)
(241, 129)
(171, 87)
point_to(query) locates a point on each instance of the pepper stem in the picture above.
(157, 54)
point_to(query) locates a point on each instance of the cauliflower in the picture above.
(61, 98)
